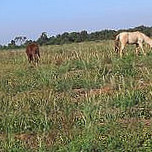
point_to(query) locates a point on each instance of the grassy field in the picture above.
(80, 98)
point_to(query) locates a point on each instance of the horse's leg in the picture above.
(36, 59)
(116, 46)
(141, 46)
(32, 59)
(137, 49)
(121, 49)
(29, 58)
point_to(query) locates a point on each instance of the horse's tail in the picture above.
(117, 43)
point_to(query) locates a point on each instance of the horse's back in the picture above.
(122, 37)
(135, 37)
(32, 48)
(130, 37)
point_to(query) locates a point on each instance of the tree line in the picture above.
(73, 37)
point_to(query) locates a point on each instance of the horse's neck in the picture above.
(147, 40)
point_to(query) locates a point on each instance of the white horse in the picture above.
(137, 38)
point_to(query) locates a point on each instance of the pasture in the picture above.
(81, 97)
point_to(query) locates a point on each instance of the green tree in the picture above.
(43, 39)
(20, 40)
(12, 44)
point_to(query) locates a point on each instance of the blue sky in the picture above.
(32, 17)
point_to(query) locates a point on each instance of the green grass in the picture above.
(81, 97)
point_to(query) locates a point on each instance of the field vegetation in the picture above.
(81, 97)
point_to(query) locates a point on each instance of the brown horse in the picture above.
(137, 38)
(33, 54)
